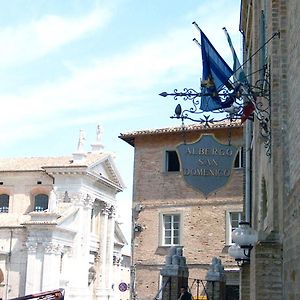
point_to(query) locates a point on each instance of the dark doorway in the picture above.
(232, 292)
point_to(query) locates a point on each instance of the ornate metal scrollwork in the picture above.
(196, 114)
(262, 96)
(258, 95)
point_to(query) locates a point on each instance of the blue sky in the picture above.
(72, 64)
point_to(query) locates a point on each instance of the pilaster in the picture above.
(31, 273)
(110, 246)
(101, 288)
(51, 265)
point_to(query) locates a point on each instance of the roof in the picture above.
(130, 136)
(38, 163)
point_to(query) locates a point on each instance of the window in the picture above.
(171, 230)
(239, 161)
(172, 161)
(40, 202)
(233, 218)
(4, 203)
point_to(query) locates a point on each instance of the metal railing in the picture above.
(198, 288)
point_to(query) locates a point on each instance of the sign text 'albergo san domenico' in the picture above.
(207, 164)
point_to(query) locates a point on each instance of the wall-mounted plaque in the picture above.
(207, 164)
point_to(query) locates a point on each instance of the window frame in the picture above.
(229, 227)
(239, 159)
(4, 207)
(35, 206)
(168, 167)
(163, 232)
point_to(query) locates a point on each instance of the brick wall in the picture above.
(269, 275)
(266, 272)
(203, 220)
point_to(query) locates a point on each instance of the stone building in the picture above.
(167, 211)
(271, 53)
(58, 226)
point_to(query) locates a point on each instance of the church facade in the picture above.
(58, 226)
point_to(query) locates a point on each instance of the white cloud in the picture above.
(28, 42)
(110, 81)
(107, 84)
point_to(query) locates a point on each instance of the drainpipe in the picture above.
(248, 144)
(248, 139)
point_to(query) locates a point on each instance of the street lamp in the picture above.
(238, 254)
(244, 238)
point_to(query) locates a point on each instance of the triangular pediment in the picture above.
(119, 238)
(106, 169)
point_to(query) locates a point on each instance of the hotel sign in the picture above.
(207, 164)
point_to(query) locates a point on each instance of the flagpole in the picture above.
(197, 42)
(196, 25)
(260, 48)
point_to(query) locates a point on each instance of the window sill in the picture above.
(163, 250)
(169, 246)
(171, 172)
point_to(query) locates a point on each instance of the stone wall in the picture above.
(266, 271)
(291, 242)
(274, 210)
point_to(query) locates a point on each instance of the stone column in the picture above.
(110, 247)
(81, 248)
(51, 265)
(32, 275)
(101, 288)
(174, 274)
(216, 280)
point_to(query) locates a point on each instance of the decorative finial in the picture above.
(80, 154)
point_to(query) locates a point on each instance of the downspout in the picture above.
(133, 265)
(8, 264)
(248, 145)
(248, 138)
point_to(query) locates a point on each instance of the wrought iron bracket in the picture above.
(258, 94)
(262, 99)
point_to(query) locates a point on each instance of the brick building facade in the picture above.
(167, 211)
(274, 270)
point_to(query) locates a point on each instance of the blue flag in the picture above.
(215, 75)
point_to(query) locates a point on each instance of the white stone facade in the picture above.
(71, 242)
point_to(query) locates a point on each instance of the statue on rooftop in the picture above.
(99, 132)
(80, 146)
(52, 200)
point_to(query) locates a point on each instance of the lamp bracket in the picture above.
(259, 94)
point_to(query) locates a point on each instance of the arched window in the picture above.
(41, 202)
(4, 203)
